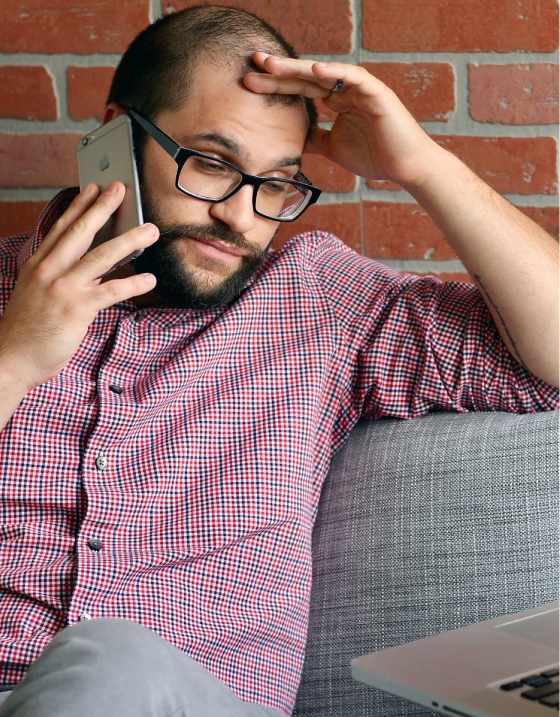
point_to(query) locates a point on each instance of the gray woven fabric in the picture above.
(425, 526)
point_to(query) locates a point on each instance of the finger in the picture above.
(76, 240)
(360, 90)
(112, 292)
(273, 84)
(351, 75)
(290, 67)
(103, 258)
(80, 204)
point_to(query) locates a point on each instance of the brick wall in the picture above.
(482, 78)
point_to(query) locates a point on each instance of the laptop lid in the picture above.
(461, 672)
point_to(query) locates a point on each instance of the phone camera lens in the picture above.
(85, 141)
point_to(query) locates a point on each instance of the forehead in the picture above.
(219, 104)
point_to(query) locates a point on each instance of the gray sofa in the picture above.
(425, 526)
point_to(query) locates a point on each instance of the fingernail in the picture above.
(148, 228)
(323, 64)
(87, 189)
(112, 188)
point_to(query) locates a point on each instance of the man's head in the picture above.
(184, 73)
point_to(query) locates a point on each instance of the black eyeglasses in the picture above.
(214, 180)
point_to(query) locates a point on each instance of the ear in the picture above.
(111, 111)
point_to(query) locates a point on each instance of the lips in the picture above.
(218, 246)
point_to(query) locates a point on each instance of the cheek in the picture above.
(158, 172)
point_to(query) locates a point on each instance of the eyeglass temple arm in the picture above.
(168, 144)
(304, 179)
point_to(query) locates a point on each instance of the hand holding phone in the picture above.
(59, 293)
(104, 156)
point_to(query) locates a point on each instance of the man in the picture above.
(167, 430)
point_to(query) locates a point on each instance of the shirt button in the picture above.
(101, 462)
(95, 544)
(115, 389)
(85, 616)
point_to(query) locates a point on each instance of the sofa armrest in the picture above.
(425, 526)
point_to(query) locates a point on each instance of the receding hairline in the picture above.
(230, 35)
(238, 66)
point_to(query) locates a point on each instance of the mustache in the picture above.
(208, 232)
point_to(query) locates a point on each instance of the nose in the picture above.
(237, 211)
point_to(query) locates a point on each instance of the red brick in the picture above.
(514, 94)
(38, 160)
(327, 175)
(27, 93)
(70, 25)
(395, 230)
(456, 276)
(311, 26)
(427, 89)
(88, 88)
(342, 220)
(460, 25)
(546, 217)
(511, 165)
(19, 217)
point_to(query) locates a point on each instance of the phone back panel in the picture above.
(108, 155)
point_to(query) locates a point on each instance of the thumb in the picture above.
(317, 142)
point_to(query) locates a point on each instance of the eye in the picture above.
(206, 165)
(275, 187)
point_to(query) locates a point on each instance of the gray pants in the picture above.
(115, 668)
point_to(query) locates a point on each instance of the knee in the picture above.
(108, 629)
(105, 640)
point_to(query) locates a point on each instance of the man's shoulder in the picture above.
(312, 251)
(352, 285)
(10, 247)
(329, 258)
(17, 248)
(308, 243)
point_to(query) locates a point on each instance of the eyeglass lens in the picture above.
(214, 180)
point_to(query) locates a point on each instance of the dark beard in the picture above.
(176, 283)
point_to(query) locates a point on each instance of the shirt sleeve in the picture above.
(419, 344)
(9, 250)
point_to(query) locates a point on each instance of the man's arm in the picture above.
(58, 294)
(514, 261)
(12, 394)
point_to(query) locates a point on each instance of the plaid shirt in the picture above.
(170, 474)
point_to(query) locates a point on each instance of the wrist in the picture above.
(12, 382)
(438, 165)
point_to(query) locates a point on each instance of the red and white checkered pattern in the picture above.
(217, 448)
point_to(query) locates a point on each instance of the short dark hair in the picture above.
(157, 70)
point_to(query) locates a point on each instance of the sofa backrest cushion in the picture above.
(425, 526)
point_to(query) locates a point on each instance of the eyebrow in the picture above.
(235, 148)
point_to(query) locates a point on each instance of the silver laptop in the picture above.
(505, 667)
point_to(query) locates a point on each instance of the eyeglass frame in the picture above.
(181, 154)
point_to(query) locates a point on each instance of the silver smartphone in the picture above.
(106, 155)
